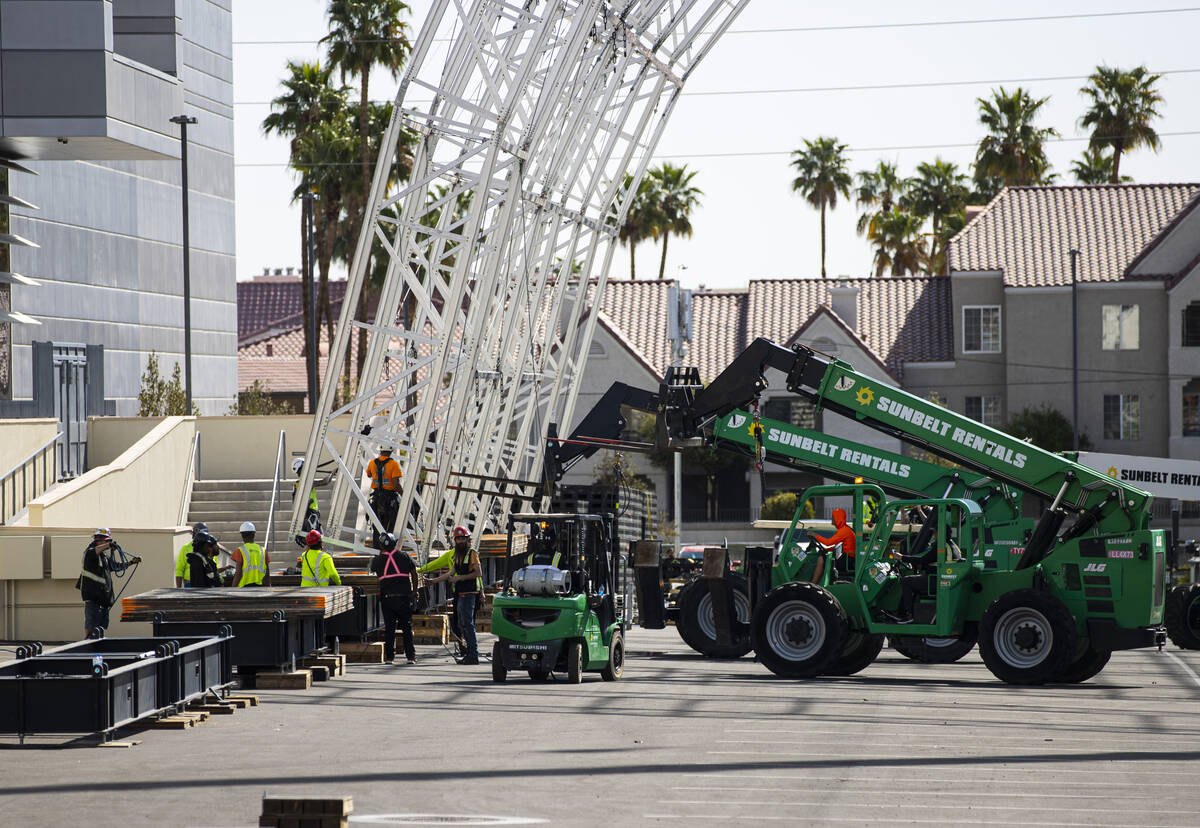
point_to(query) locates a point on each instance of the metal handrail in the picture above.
(279, 455)
(190, 483)
(29, 488)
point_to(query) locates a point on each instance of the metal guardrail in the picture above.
(279, 455)
(22, 483)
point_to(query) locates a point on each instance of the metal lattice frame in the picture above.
(498, 244)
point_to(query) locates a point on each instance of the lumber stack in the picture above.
(306, 811)
(237, 604)
(496, 546)
(367, 582)
(430, 629)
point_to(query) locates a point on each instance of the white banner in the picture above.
(1161, 477)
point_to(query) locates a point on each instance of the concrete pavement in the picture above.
(681, 739)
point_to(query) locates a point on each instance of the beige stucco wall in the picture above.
(143, 487)
(109, 437)
(38, 599)
(20, 438)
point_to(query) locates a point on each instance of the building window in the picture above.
(1191, 409)
(981, 330)
(1122, 417)
(1120, 328)
(800, 413)
(984, 409)
(596, 351)
(1191, 325)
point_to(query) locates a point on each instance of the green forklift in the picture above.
(564, 607)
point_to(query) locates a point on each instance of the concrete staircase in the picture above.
(225, 504)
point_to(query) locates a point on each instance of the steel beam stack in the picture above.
(525, 119)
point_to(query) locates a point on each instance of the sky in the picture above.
(781, 75)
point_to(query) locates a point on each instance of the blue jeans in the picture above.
(464, 612)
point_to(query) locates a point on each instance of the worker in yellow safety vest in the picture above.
(250, 561)
(316, 566)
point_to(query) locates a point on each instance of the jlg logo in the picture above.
(1094, 567)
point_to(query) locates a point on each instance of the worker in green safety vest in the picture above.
(251, 562)
(316, 565)
(312, 512)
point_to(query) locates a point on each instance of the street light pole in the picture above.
(1074, 349)
(183, 121)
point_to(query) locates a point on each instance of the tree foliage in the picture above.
(676, 198)
(1013, 152)
(160, 397)
(782, 506)
(1123, 105)
(256, 400)
(1046, 428)
(1095, 166)
(821, 176)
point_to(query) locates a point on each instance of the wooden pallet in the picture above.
(363, 653)
(334, 664)
(306, 811)
(295, 680)
(430, 629)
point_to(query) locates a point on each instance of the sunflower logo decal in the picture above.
(865, 396)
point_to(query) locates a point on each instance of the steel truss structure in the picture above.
(497, 246)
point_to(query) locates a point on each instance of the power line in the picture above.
(838, 28)
(866, 87)
(765, 153)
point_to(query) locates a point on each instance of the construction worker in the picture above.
(397, 585)
(251, 563)
(182, 576)
(544, 550)
(385, 491)
(466, 579)
(202, 562)
(312, 515)
(95, 579)
(316, 565)
(844, 535)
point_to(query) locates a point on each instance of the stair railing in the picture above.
(22, 483)
(189, 484)
(279, 455)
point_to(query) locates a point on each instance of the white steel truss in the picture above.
(498, 246)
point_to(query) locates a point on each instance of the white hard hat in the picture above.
(247, 527)
(297, 464)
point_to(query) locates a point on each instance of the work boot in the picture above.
(412, 660)
(470, 660)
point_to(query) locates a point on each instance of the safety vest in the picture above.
(254, 564)
(310, 569)
(391, 569)
(463, 567)
(313, 506)
(380, 480)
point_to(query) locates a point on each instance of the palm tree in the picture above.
(641, 218)
(899, 243)
(1012, 153)
(878, 190)
(1122, 107)
(364, 34)
(677, 197)
(310, 100)
(821, 176)
(1095, 167)
(937, 191)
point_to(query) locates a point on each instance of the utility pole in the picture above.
(679, 328)
(183, 121)
(1074, 349)
(309, 286)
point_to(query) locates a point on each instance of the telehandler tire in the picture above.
(860, 651)
(499, 673)
(697, 627)
(574, 663)
(798, 630)
(1182, 616)
(930, 650)
(1087, 663)
(1027, 637)
(616, 658)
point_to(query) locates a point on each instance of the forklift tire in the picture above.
(574, 663)
(1027, 637)
(930, 650)
(860, 651)
(499, 673)
(616, 658)
(1088, 662)
(697, 627)
(1182, 616)
(798, 630)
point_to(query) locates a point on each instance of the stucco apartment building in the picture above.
(92, 196)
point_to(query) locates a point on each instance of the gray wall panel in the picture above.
(54, 24)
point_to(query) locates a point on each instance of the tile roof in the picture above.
(1026, 231)
(905, 319)
(276, 303)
